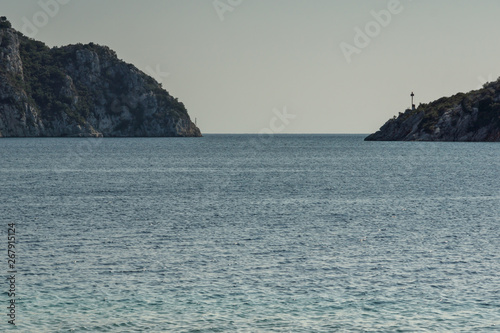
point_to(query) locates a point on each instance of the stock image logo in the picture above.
(364, 36)
(49, 9)
(222, 7)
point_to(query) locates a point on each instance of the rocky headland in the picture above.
(472, 116)
(80, 91)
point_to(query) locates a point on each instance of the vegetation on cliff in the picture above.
(472, 116)
(81, 90)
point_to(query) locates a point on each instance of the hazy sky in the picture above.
(236, 63)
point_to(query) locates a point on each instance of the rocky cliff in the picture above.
(474, 116)
(80, 90)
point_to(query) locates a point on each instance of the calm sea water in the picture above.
(235, 233)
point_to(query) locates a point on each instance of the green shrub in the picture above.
(4, 23)
(488, 113)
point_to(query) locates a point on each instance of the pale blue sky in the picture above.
(275, 54)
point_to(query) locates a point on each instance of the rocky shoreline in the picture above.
(469, 117)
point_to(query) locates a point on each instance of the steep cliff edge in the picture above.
(80, 90)
(474, 116)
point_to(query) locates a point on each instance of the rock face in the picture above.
(81, 91)
(474, 116)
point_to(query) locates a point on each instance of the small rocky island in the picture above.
(472, 116)
(80, 91)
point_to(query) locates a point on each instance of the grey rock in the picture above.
(474, 116)
(81, 91)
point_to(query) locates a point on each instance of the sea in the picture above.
(249, 233)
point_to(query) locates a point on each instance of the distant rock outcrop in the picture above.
(474, 116)
(80, 90)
